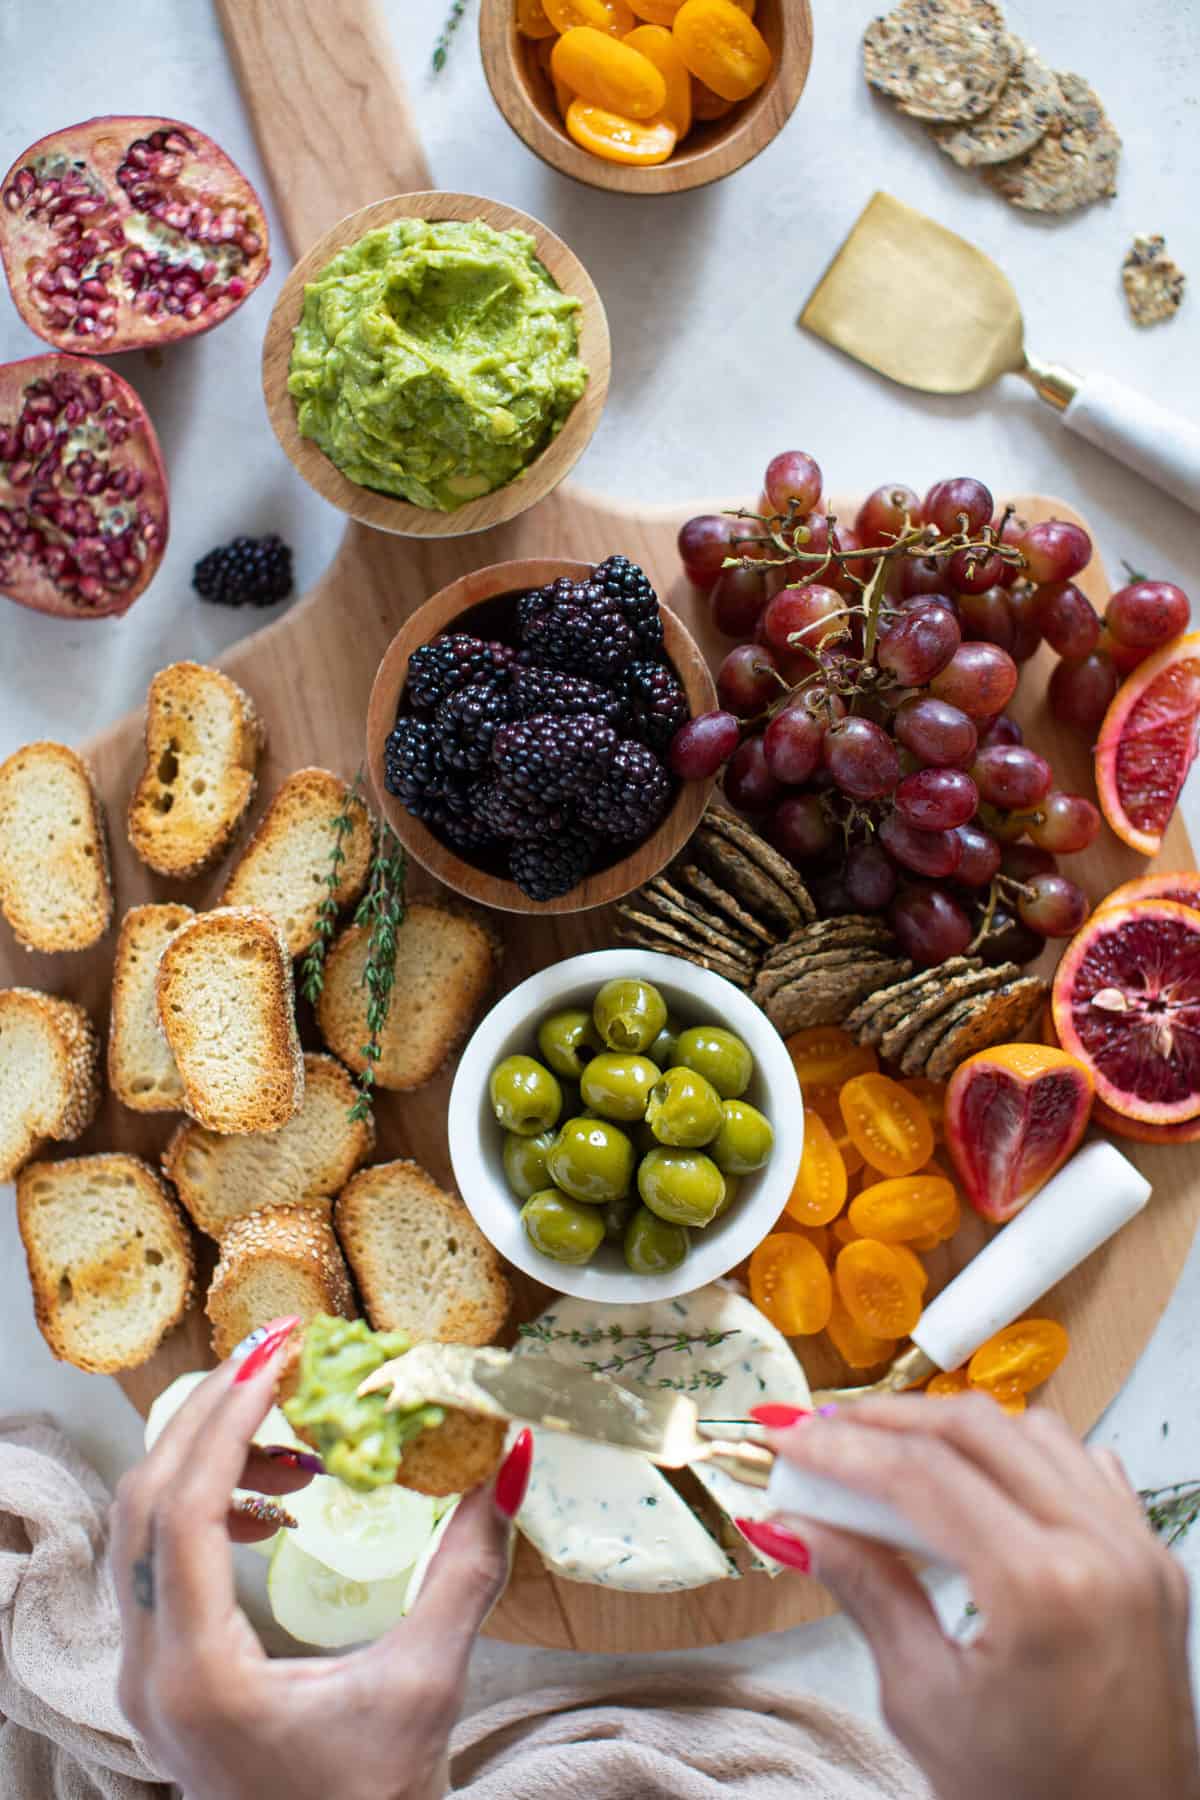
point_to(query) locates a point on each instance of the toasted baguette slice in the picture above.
(226, 1003)
(220, 1179)
(455, 1456)
(203, 742)
(141, 1069)
(55, 889)
(446, 962)
(285, 867)
(49, 1087)
(110, 1258)
(421, 1263)
(275, 1263)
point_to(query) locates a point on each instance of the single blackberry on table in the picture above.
(564, 696)
(524, 819)
(655, 702)
(576, 626)
(248, 572)
(630, 587)
(465, 722)
(439, 669)
(544, 871)
(553, 759)
(632, 798)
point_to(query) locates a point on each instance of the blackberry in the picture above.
(565, 696)
(461, 830)
(546, 870)
(654, 702)
(552, 759)
(630, 588)
(523, 819)
(576, 626)
(439, 669)
(411, 761)
(248, 572)
(465, 723)
(633, 797)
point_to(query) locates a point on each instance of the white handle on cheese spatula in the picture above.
(1162, 446)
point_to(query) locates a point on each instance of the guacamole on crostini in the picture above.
(435, 359)
(359, 1440)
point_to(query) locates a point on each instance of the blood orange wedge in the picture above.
(1014, 1114)
(1148, 742)
(1179, 884)
(1126, 1001)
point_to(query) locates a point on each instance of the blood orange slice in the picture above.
(1179, 884)
(1013, 1116)
(1148, 742)
(1126, 1001)
(1186, 1132)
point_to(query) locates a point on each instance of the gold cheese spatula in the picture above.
(929, 310)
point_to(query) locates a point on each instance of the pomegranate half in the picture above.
(120, 233)
(83, 491)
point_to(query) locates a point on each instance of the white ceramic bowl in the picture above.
(695, 997)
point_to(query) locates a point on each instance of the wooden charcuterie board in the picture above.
(310, 675)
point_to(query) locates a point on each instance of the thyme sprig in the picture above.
(1171, 1511)
(312, 969)
(645, 1349)
(441, 50)
(381, 911)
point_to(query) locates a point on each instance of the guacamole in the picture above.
(435, 360)
(359, 1440)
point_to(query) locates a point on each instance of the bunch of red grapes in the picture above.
(863, 723)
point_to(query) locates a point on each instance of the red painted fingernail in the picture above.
(778, 1418)
(275, 1336)
(513, 1476)
(774, 1541)
(301, 1460)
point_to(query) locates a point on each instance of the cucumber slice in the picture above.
(421, 1567)
(273, 1430)
(362, 1537)
(317, 1606)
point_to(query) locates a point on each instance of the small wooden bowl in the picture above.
(711, 151)
(440, 614)
(384, 511)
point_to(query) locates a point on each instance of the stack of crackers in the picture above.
(820, 973)
(928, 1023)
(1041, 138)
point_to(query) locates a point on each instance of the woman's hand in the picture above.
(1076, 1683)
(220, 1717)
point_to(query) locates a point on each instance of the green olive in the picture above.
(732, 1184)
(592, 1160)
(526, 1097)
(617, 1085)
(745, 1140)
(525, 1162)
(652, 1246)
(629, 1014)
(617, 1215)
(684, 1109)
(567, 1041)
(681, 1186)
(662, 1050)
(719, 1056)
(561, 1228)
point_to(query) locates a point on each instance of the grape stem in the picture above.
(785, 534)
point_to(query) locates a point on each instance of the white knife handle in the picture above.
(806, 1496)
(1089, 1199)
(1162, 446)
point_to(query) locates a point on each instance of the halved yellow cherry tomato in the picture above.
(913, 1264)
(1007, 1402)
(843, 1232)
(889, 1125)
(656, 44)
(562, 95)
(790, 1284)
(706, 107)
(947, 1384)
(532, 21)
(817, 1235)
(848, 1150)
(825, 1056)
(615, 16)
(857, 1348)
(906, 1207)
(1020, 1357)
(819, 1191)
(724, 47)
(878, 1289)
(617, 139)
(609, 73)
(658, 12)
(932, 1095)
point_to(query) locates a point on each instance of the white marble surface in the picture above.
(710, 377)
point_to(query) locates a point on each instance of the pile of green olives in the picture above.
(626, 1129)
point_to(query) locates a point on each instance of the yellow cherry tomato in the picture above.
(614, 16)
(657, 12)
(947, 1384)
(913, 1264)
(1020, 1357)
(819, 1191)
(707, 107)
(790, 1284)
(843, 1232)
(857, 1348)
(906, 1207)
(932, 1095)
(889, 1125)
(724, 47)
(848, 1150)
(877, 1288)
(562, 95)
(532, 21)
(617, 139)
(826, 1056)
(656, 44)
(609, 73)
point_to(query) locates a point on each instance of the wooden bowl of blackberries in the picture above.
(519, 729)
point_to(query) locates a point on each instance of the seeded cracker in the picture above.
(703, 959)
(1070, 167)
(682, 930)
(1030, 105)
(660, 895)
(697, 882)
(939, 59)
(825, 998)
(770, 981)
(1153, 283)
(768, 859)
(863, 1020)
(937, 1005)
(756, 891)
